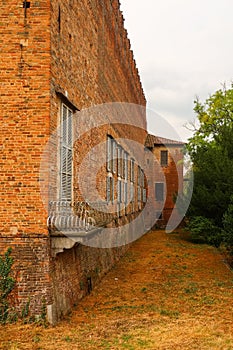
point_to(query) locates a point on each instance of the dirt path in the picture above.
(166, 293)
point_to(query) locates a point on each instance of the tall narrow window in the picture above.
(66, 154)
(59, 19)
(159, 191)
(119, 191)
(164, 158)
(132, 170)
(131, 192)
(139, 175)
(125, 166)
(110, 189)
(126, 193)
(119, 161)
(114, 154)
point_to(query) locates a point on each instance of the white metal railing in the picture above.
(65, 216)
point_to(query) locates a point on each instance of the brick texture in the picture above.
(71, 51)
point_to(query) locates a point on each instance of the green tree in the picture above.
(211, 152)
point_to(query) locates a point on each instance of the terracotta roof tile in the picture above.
(153, 140)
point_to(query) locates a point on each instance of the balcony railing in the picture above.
(69, 217)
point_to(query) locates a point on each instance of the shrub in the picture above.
(228, 226)
(203, 230)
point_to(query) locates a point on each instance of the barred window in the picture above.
(66, 163)
(164, 158)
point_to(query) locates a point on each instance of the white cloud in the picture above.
(183, 48)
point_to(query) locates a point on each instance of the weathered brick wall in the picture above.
(24, 108)
(91, 57)
(76, 271)
(171, 175)
(31, 270)
(24, 123)
(91, 64)
(54, 51)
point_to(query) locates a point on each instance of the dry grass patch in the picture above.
(166, 293)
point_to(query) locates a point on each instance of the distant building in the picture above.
(167, 176)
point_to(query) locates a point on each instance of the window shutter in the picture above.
(114, 151)
(108, 189)
(126, 193)
(66, 154)
(131, 192)
(112, 189)
(159, 191)
(109, 141)
(119, 191)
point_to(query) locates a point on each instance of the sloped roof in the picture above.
(152, 141)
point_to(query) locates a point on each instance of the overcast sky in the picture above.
(183, 48)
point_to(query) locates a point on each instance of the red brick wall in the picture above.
(24, 123)
(24, 108)
(73, 268)
(81, 50)
(171, 175)
(91, 65)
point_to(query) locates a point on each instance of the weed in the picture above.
(126, 337)
(67, 339)
(191, 289)
(169, 313)
(25, 311)
(36, 339)
(208, 300)
(7, 284)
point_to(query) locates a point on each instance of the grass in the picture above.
(170, 294)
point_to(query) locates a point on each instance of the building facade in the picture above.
(69, 83)
(166, 173)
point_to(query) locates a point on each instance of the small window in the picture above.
(159, 191)
(164, 158)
